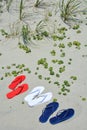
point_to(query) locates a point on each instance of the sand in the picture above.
(15, 113)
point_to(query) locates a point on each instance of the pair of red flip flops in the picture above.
(16, 90)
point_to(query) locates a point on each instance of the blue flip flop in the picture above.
(49, 109)
(62, 115)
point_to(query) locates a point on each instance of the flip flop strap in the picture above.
(17, 80)
(47, 107)
(61, 112)
(44, 96)
(21, 88)
(36, 94)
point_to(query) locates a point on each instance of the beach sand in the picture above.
(15, 113)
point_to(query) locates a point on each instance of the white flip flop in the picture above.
(34, 93)
(40, 99)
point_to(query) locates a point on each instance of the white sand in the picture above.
(17, 116)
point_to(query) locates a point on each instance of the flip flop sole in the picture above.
(21, 89)
(35, 92)
(65, 115)
(48, 111)
(16, 81)
(40, 99)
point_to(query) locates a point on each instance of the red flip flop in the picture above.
(16, 81)
(21, 89)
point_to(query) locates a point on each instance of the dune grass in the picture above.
(37, 3)
(70, 9)
(8, 4)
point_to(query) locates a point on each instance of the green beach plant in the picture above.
(62, 54)
(15, 29)
(70, 11)
(0, 54)
(40, 27)
(62, 69)
(40, 30)
(37, 3)
(24, 47)
(4, 33)
(83, 99)
(44, 4)
(8, 4)
(77, 44)
(2, 6)
(26, 34)
(18, 7)
(75, 27)
(21, 14)
(53, 52)
(14, 70)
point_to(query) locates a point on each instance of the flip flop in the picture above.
(21, 89)
(37, 100)
(16, 81)
(48, 111)
(34, 93)
(62, 116)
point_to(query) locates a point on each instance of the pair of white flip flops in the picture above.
(36, 98)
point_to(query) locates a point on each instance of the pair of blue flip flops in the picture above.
(62, 115)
